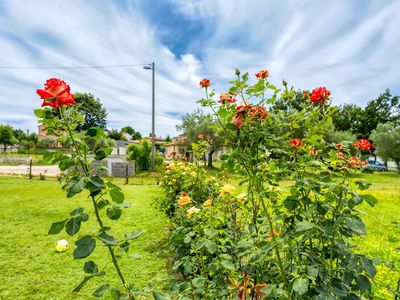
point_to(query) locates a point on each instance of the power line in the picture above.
(63, 67)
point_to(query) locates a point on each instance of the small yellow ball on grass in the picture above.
(62, 245)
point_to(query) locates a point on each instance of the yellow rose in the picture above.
(191, 211)
(241, 197)
(208, 203)
(184, 199)
(227, 189)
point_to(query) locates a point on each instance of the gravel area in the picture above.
(24, 170)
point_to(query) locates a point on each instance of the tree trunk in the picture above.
(210, 156)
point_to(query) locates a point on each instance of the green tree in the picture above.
(7, 137)
(115, 135)
(92, 110)
(198, 123)
(140, 154)
(136, 135)
(384, 109)
(386, 138)
(168, 138)
(291, 101)
(348, 117)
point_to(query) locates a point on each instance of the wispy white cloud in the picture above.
(352, 47)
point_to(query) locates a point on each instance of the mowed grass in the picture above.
(32, 269)
(383, 236)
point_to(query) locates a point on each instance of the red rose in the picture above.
(205, 83)
(244, 108)
(295, 142)
(354, 161)
(56, 93)
(238, 119)
(201, 136)
(226, 97)
(262, 74)
(339, 146)
(173, 153)
(364, 144)
(258, 112)
(313, 151)
(320, 95)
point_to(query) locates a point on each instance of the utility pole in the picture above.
(153, 112)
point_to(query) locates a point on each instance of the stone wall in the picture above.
(118, 169)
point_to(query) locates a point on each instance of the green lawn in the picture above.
(31, 269)
(383, 239)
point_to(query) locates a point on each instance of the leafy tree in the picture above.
(386, 138)
(115, 135)
(293, 100)
(384, 109)
(198, 123)
(92, 110)
(168, 138)
(31, 141)
(7, 137)
(136, 135)
(140, 154)
(348, 117)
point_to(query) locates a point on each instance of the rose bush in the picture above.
(268, 243)
(61, 118)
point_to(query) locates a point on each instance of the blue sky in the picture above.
(351, 47)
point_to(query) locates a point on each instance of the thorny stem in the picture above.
(96, 210)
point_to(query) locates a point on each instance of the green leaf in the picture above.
(363, 283)
(135, 256)
(90, 267)
(108, 239)
(102, 203)
(304, 225)
(81, 284)
(199, 282)
(75, 186)
(56, 227)
(86, 279)
(300, 286)
(76, 211)
(101, 290)
(211, 246)
(355, 224)
(66, 163)
(228, 264)
(73, 225)
(368, 266)
(161, 296)
(133, 235)
(114, 212)
(97, 181)
(48, 156)
(371, 200)
(102, 153)
(362, 185)
(117, 196)
(95, 132)
(39, 113)
(85, 247)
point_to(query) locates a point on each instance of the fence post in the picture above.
(126, 174)
(30, 168)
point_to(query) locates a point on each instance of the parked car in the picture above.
(375, 165)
